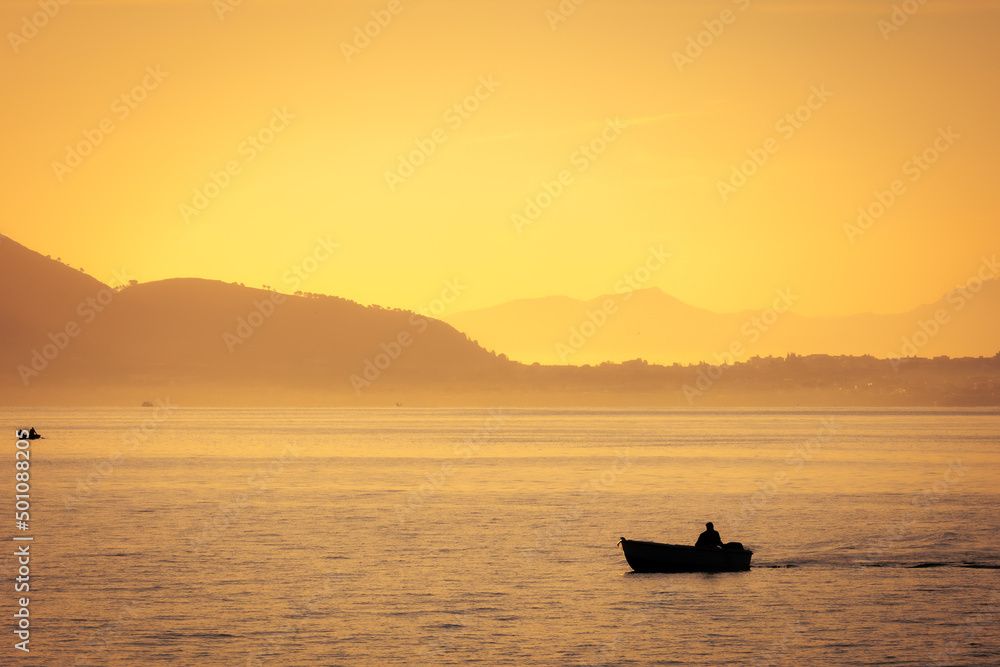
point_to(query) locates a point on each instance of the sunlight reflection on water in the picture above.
(311, 537)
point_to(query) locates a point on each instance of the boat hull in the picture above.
(656, 557)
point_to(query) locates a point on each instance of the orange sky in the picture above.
(198, 81)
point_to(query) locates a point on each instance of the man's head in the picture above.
(709, 526)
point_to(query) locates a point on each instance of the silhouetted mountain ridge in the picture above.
(655, 326)
(209, 331)
(68, 339)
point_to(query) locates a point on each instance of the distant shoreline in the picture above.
(793, 381)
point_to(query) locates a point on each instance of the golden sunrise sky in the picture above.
(198, 80)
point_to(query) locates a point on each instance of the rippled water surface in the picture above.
(406, 536)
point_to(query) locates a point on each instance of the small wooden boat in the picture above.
(656, 557)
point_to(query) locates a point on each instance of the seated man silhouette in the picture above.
(710, 538)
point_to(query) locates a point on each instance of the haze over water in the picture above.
(700, 208)
(335, 537)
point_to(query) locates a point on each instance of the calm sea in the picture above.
(434, 536)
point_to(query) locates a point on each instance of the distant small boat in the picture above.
(147, 404)
(23, 434)
(656, 557)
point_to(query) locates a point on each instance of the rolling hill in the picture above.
(62, 328)
(67, 339)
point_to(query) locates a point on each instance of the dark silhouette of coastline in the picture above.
(88, 344)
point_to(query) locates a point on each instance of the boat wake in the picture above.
(919, 565)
